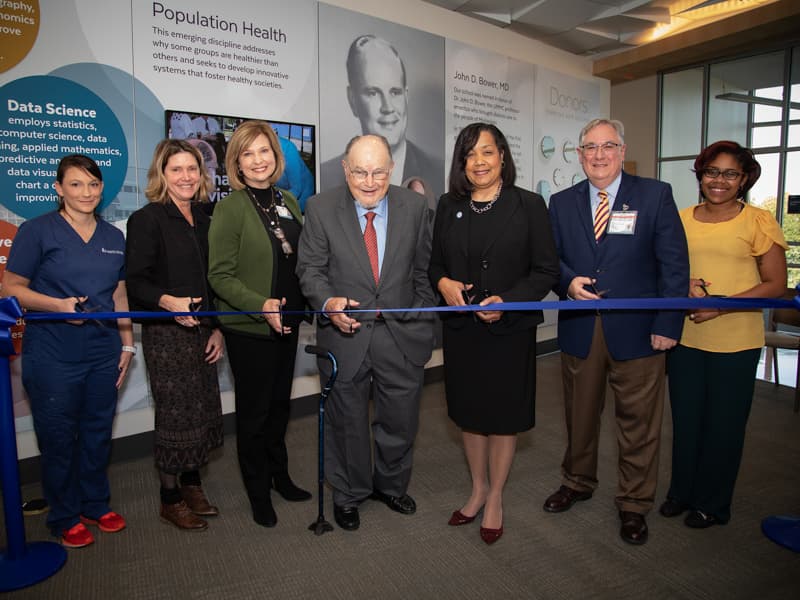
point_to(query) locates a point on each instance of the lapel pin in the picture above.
(625, 207)
(459, 214)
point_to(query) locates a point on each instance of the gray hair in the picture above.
(617, 125)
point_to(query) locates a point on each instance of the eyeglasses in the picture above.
(727, 174)
(606, 146)
(362, 175)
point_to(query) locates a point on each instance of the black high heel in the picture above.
(263, 513)
(284, 485)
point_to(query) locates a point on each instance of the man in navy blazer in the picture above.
(638, 252)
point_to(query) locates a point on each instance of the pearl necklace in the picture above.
(488, 205)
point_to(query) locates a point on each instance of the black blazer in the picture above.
(166, 255)
(519, 264)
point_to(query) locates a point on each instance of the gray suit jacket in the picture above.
(332, 261)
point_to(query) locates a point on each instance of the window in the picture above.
(750, 100)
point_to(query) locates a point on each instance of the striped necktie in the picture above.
(601, 215)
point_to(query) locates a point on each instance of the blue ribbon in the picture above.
(602, 305)
(10, 312)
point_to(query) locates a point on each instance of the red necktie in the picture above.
(601, 215)
(371, 241)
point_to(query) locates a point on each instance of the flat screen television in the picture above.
(211, 133)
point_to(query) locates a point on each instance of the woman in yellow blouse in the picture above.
(735, 249)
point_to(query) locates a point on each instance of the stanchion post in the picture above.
(321, 526)
(21, 564)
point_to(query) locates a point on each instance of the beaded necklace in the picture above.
(271, 213)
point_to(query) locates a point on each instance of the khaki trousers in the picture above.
(638, 387)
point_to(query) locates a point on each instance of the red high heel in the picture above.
(490, 536)
(459, 518)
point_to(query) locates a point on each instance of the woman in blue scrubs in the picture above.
(70, 261)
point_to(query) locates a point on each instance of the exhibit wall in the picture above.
(99, 77)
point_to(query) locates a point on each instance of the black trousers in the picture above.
(263, 370)
(710, 394)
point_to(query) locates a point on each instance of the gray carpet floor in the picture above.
(577, 554)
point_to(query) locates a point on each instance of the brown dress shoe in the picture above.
(634, 527)
(197, 502)
(564, 498)
(179, 515)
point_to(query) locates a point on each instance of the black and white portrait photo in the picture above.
(382, 78)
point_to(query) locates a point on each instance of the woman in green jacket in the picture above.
(252, 257)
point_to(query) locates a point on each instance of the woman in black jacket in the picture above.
(491, 243)
(167, 267)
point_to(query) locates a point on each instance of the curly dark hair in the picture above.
(465, 142)
(744, 156)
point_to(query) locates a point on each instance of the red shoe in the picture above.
(110, 522)
(459, 518)
(490, 536)
(77, 537)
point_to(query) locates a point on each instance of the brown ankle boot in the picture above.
(197, 502)
(179, 515)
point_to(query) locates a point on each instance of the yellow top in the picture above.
(724, 255)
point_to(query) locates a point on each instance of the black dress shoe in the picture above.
(403, 504)
(346, 517)
(672, 508)
(564, 498)
(264, 514)
(634, 527)
(697, 519)
(284, 485)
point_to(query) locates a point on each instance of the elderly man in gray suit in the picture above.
(366, 245)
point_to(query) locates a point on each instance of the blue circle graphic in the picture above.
(42, 119)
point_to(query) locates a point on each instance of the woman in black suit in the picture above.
(491, 243)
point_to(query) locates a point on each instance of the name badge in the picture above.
(622, 222)
(283, 212)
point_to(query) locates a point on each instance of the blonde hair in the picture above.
(245, 134)
(156, 181)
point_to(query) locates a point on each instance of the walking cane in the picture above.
(320, 526)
